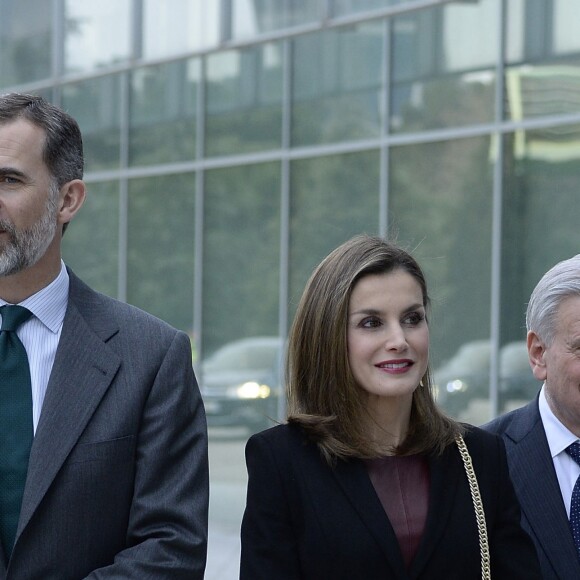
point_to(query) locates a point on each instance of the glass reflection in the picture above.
(160, 247)
(254, 17)
(96, 34)
(565, 27)
(244, 100)
(95, 106)
(241, 254)
(443, 66)
(544, 76)
(346, 7)
(337, 85)
(179, 26)
(332, 199)
(440, 206)
(540, 181)
(91, 242)
(163, 113)
(25, 41)
(240, 328)
(463, 379)
(241, 383)
(517, 384)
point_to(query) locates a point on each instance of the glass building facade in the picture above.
(231, 144)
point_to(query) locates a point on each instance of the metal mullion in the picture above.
(284, 273)
(124, 188)
(385, 151)
(496, 233)
(198, 267)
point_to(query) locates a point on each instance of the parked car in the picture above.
(517, 383)
(241, 382)
(466, 376)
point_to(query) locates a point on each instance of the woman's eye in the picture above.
(414, 318)
(371, 323)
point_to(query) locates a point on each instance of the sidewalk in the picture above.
(223, 553)
(226, 507)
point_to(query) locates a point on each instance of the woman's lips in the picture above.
(395, 366)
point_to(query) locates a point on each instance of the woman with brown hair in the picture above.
(369, 479)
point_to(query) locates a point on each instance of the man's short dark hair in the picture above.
(63, 148)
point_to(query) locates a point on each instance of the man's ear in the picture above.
(536, 354)
(72, 197)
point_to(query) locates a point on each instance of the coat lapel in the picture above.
(445, 472)
(356, 484)
(536, 484)
(83, 370)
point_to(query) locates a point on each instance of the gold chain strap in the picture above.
(478, 506)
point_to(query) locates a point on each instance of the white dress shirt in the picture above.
(559, 437)
(40, 334)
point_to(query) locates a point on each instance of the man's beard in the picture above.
(25, 247)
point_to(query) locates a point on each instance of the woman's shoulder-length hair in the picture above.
(323, 397)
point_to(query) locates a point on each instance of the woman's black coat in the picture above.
(305, 520)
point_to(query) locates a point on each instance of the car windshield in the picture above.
(243, 357)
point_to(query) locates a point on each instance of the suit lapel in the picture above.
(536, 484)
(356, 484)
(444, 472)
(83, 370)
(2, 564)
(444, 478)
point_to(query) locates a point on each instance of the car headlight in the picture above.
(456, 386)
(253, 390)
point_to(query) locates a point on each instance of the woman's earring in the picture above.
(421, 383)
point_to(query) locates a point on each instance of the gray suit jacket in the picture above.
(117, 482)
(534, 477)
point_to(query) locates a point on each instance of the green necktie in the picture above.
(16, 430)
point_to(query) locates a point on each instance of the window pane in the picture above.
(337, 85)
(163, 113)
(95, 106)
(91, 241)
(255, 17)
(179, 26)
(25, 41)
(540, 228)
(160, 247)
(332, 199)
(443, 66)
(244, 100)
(441, 208)
(565, 27)
(240, 321)
(97, 34)
(241, 254)
(346, 7)
(544, 76)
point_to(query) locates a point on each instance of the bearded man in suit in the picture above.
(540, 438)
(115, 482)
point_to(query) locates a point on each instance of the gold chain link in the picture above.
(478, 506)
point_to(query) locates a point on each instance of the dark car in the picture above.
(240, 382)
